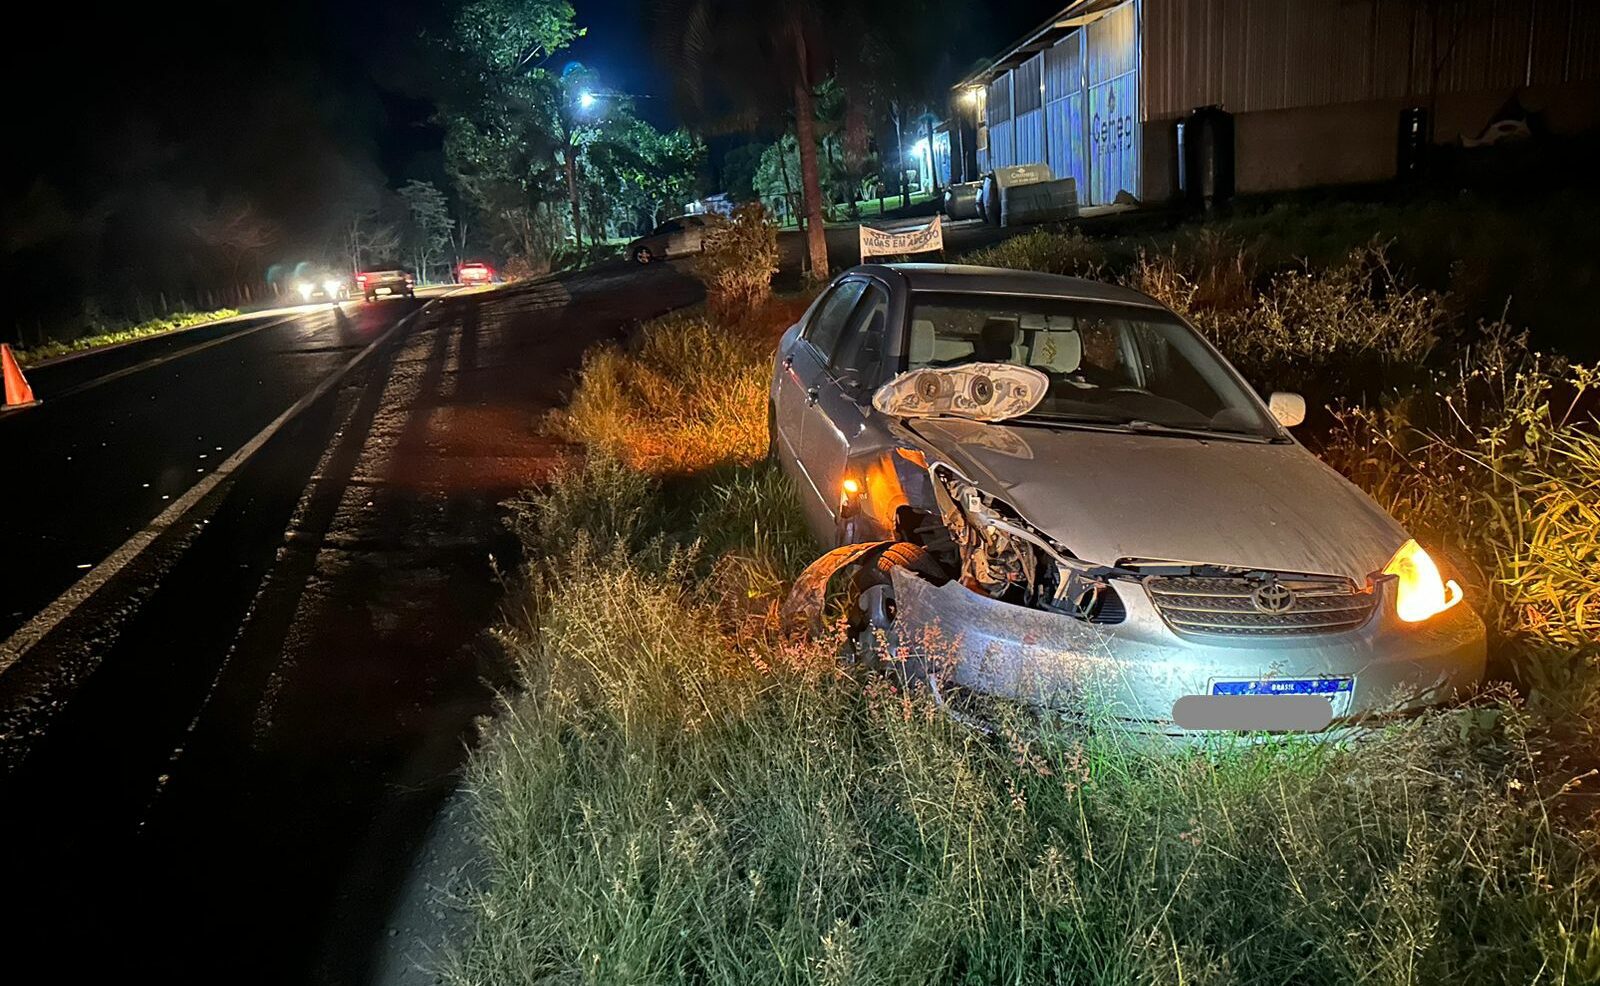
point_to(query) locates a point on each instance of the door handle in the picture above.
(811, 397)
(788, 361)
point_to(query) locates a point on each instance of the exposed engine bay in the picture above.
(1000, 554)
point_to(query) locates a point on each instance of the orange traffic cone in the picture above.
(18, 393)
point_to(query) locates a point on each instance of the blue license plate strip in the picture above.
(1334, 688)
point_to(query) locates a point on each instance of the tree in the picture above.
(744, 64)
(739, 167)
(511, 143)
(428, 233)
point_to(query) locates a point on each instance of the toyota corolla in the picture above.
(1075, 493)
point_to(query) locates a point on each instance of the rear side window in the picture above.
(828, 323)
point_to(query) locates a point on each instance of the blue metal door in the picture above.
(1063, 112)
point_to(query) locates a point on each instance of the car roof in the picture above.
(1000, 280)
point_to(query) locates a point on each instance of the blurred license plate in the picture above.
(1337, 691)
(381, 291)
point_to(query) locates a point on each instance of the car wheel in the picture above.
(643, 255)
(873, 616)
(371, 297)
(772, 433)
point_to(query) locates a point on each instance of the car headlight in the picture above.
(332, 287)
(1421, 592)
(305, 289)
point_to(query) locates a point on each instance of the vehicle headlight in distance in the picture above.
(1421, 592)
(305, 288)
(332, 287)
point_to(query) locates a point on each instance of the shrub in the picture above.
(739, 261)
(1334, 331)
(1039, 250)
(1499, 463)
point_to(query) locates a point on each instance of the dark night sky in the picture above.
(141, 111)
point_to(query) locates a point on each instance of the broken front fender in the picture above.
(803, 607)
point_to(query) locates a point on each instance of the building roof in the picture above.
(1000, 280)
(1073, 15)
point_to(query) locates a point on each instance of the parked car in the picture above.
(474, 273)
(1086, 503)
(323, 285)
(676, 237)
(386, 281)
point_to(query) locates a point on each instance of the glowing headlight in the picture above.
(332, 287)
(305, 289)
(1421, 592)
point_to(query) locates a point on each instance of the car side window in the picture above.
(859, 353)
(828, 323)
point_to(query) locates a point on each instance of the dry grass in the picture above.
(739, 261)
(687, 393)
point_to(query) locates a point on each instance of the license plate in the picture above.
(1337, 690)
(381, 291)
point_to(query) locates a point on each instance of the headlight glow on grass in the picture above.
(1421, 592)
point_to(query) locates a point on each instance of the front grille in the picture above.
(1208, 604)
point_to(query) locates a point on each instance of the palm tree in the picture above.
(742, 65)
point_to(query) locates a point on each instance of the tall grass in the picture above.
(678, 795)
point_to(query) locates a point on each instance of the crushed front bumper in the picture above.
(1136, 670)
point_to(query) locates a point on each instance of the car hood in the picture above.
(1109, 496)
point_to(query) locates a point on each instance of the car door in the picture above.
(801, 372)
(836, 419)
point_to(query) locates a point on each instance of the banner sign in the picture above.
(920, 239)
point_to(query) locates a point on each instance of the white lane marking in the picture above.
(152, 363)
(50, 617)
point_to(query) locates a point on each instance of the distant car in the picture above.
(323, 286)
(677, 237)
(387, 281)
(1093, 505)
(474, 273)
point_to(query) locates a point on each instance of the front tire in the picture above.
(643, 255)
(873, 617)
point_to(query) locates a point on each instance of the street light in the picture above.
(586, 100)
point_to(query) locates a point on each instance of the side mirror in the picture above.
(1289, 409)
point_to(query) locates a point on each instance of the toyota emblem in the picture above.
(1274, 597)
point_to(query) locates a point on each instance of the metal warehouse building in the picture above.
(1314, 89)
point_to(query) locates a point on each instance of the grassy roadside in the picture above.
(676, 793)
(111, 337)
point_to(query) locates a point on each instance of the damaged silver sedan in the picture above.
(1070, 490)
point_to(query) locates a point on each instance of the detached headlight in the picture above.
(305, 289)
(332, 287)
(1420, 591)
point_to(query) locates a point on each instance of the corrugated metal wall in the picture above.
(1002, 150)
(1112, 73)
(1250, 55)
(1063, 111)
(1027, 88)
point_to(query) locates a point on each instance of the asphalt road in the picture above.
(218, 765)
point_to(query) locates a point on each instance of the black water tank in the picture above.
(1206, 169)
(1411, 158)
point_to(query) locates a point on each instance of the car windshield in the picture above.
(1108, 365)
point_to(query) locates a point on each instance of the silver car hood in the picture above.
(1109, 496)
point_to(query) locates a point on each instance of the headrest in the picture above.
(1057, 350)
